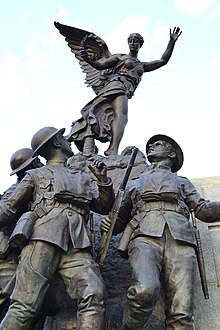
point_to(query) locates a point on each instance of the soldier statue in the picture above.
(159, 238)
(59, 242)
(21, 161)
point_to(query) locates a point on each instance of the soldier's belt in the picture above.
(165, 206)
(72, 207)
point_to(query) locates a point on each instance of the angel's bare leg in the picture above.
(120, 110)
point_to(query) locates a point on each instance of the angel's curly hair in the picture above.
(138, 36)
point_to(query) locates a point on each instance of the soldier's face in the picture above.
(158, 149)
(36, 163)
(66, 146)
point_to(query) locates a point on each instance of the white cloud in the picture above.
(54, 37)
(37, 60)
(160, 33)
(193, 7)
(214, 14)
(215, 67)
(117, 40)
(15, 95)
(63, 13)
(158, 39)
(14, 88)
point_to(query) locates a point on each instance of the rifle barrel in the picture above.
(106, 237)
(200, 258)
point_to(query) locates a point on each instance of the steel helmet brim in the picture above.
(23, 166)
(46, 139)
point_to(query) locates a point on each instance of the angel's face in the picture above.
(134, 44)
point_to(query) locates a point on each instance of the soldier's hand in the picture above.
(99, 169)
(105, 224)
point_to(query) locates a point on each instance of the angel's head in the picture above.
(136, 36)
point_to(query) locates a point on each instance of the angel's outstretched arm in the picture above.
(102, 64)
(153, 65)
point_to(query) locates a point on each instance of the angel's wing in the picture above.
(96, 49)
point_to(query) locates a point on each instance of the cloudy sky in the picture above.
(42, 84)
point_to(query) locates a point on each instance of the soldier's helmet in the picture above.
(42, 136)
(179, 154)
(21, 159)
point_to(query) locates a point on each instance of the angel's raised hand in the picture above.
(175, 34)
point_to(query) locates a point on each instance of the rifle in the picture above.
(92, 234)
(106, 236)
(200, 258)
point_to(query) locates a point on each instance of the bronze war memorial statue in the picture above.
(93, 242)
(114, 79)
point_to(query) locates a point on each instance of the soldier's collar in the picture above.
(55, 163)
(164, 167)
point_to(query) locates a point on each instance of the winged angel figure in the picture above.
(114, 79)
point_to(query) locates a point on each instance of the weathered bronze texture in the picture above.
(160, 239)
(59, 243)
(114, 79)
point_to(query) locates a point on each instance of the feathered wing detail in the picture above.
(96, 49)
